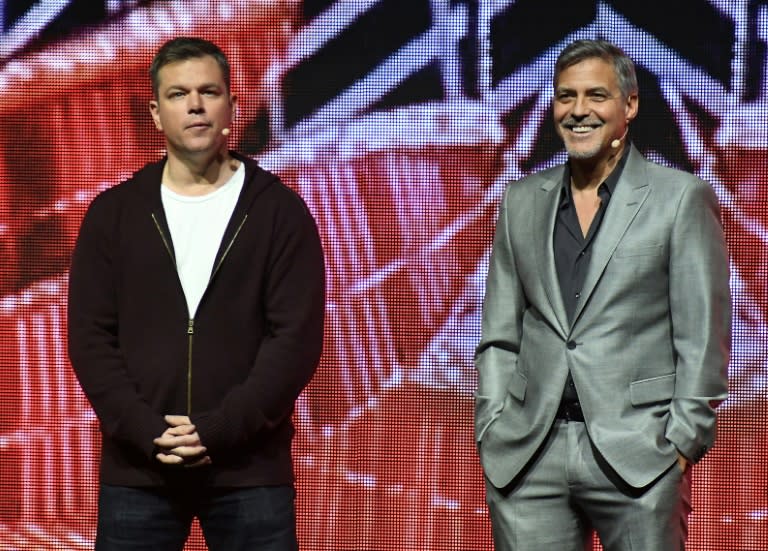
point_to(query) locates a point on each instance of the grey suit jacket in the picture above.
(649, 343)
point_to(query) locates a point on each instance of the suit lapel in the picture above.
(630, 194)
(547, 200)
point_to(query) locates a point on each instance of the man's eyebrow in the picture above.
(593, 89)
(205, 85)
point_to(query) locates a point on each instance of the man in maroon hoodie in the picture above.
(196, 305)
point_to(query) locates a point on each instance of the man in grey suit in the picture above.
(605, 332)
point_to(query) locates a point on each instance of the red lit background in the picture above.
(399, 122)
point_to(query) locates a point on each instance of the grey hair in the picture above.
(580, 50)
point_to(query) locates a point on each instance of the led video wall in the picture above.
(399, 122)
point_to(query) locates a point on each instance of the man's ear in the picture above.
(153, 110)
(633, 104)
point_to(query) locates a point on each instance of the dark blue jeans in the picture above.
(261, 518)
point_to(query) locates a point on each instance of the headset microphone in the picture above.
(617, 142)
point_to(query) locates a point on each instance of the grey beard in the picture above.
(581, 154)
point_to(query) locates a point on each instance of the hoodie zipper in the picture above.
(226, 252)
(190, 337)
(191, 321)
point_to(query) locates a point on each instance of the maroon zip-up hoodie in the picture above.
(236, 369)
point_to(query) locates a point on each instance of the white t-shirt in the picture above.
(197, 227)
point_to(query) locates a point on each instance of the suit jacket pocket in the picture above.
(638, 250)
(655, 389)
(517, 385)
(487, 409)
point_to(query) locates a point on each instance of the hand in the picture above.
(682, 462)
(180, 444)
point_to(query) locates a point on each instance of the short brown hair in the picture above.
(181, 49)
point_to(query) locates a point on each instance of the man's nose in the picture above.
(194, 102)
(580, 107)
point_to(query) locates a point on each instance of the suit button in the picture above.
(700, 453)
(571, 345)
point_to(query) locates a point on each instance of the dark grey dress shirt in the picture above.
(573, 250)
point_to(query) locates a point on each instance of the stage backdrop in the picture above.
(399, 122)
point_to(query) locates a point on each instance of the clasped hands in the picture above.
(180, 444)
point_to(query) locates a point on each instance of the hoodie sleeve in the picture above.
(93, 340)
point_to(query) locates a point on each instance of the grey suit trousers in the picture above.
(567, 491)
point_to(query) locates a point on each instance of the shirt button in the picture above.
(578, 295)
(571, 345)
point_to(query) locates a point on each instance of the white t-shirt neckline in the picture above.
(197, 224)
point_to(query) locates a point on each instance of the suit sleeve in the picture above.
(497, 352)
(700, 307)
(289, 354)
(94, 345)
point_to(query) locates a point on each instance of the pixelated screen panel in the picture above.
(399, 122)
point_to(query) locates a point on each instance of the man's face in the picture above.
(589, 109)
(192, 106)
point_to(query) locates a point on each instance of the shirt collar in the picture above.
(606, 189)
